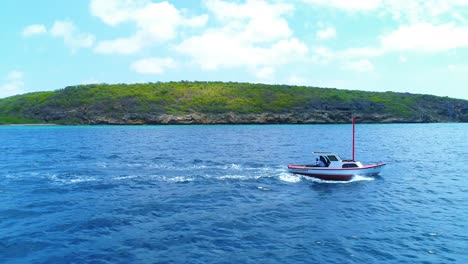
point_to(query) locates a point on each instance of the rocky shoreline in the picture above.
(317, 117)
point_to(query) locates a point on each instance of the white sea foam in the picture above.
(161, 166)
(177, 168)
(356, 178)
(102, 164)
(239, 177)
(125, 177)
(54, 178)
(132, 165)
(263, 188)
(10, 176)
(198, 167)
(361, 178)
(178, 179)
(287, 177)
(232, 167)
(80, 179)
(232, 177)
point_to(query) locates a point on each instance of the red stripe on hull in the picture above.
(328, 177)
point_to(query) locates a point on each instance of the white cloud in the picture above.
(153, 65)
(354, 5)
(15, 75)
(459, 17)
(121, 45)
(244, 37)
(257, 26)
(414, 11)
(326, 33)
(361, 52)
(13, 84)
(250, 9)
(424, 26)
(323, 55)
(359, 65)
(213, 50)
(155, 22)
(458, 68)
(420, 11)
(426, 37)
(422, 37)
(265, 73)
(31, 30)
(285, 51)
(71, 36)
(113, 12)
(65, 29)
(353, 59)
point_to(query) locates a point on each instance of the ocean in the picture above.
(222, 194)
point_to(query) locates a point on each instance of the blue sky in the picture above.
(375, 45)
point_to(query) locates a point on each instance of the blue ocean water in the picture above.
(222, 194)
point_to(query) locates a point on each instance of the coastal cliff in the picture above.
(224, 103)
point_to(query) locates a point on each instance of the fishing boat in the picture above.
(330, 166)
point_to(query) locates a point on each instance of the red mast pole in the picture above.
(353, 135)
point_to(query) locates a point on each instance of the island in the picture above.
(187, 102)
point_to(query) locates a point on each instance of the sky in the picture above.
(415, 46)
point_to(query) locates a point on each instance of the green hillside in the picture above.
(207, 102)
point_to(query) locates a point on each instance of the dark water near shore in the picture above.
(221, 194)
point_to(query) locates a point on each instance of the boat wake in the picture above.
(70, 180)
(179, 174)
(180, 179)
(356, 178)
(288, 177)
(362, 178)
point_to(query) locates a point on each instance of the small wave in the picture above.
(133, 165)
(54, 178)
(263, 188)
(238, 177)
(161, 166)
(101, 164)
(80, 179)
(232, 167)
(178, 179)
(125, 177)
(10, 176)
(287, 177)
(198, 167)
(178, 168)
(211, 166)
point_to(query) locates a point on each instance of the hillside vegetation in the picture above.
(218, 102)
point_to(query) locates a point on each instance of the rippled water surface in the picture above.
(222, 194)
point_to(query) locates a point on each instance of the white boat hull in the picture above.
(336, 174)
